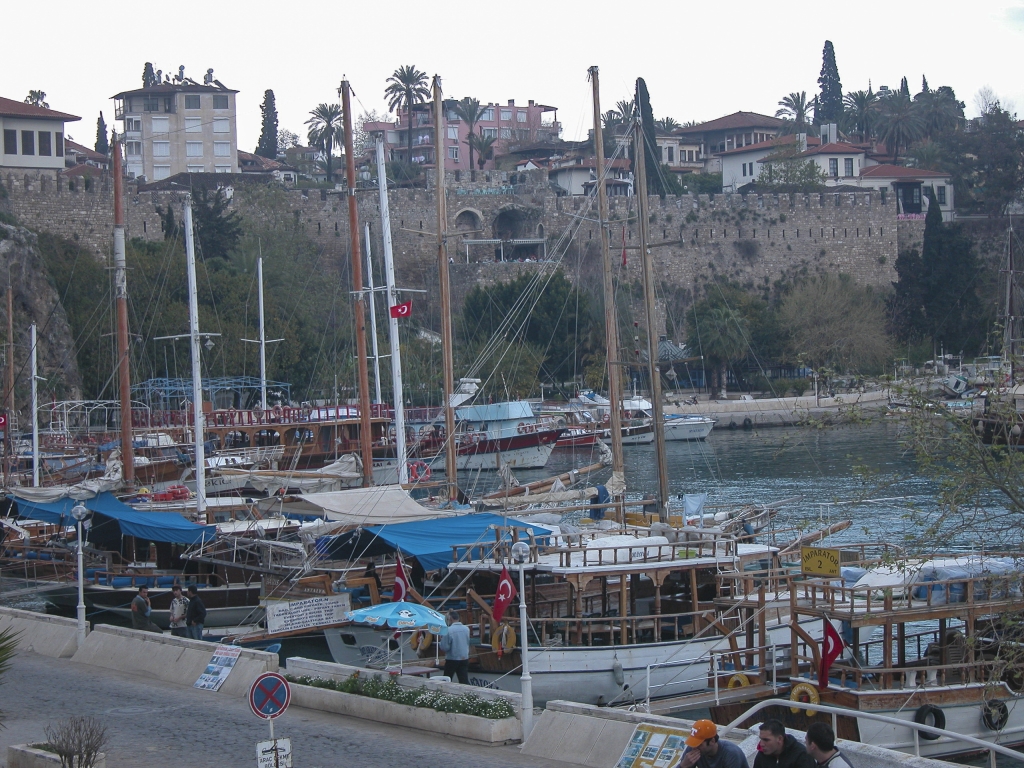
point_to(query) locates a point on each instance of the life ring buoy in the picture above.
(418, 470)
(804, 693)
(421, 640)
(938, 720)
(995, 715)
(277, 412)
(739, 680)
(521, 429)
(503, 639)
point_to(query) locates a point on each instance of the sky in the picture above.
(700, 61)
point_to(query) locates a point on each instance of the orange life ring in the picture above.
(418, 470)
(421, 640)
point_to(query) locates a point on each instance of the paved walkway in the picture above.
(152, 725)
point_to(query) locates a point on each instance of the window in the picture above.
(506, 114)
(222, 169)
(150, 104)
(744, 169)
(489, 133)
(222, 149)
(192, 102)
(848, 166)
(488, 114)
(661, 154)
(133, 147)
(833, 166)
(671, 154)
(222, 126)
(161, 172)
(521, 116)
(453, 132)
(161, 124)
(196, 168)
(28, 142)
(193, 125)
(58, 144)
(917, 195)
(161, 149)
(45, 149)
(453, 153)
(10, 142)
(133, 124)
(506, 133)
(193, 149)
(940, 195)
(220, 102)
(690, 155)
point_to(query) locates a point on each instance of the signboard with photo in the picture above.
(654, 746)
(220, 666)
(296, 615)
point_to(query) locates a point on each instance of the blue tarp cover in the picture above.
(149, 526)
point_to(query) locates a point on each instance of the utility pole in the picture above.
(365, 425)
(653, 368)
(121, 305)
(450, 446)
(611, 328)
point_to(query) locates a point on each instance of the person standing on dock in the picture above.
(141, 610)
(777, 749)
(705, 750)
(179, 608)
(821, 745)
(456, 649)
(195, 615)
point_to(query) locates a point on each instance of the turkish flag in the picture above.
(401, 589)
(504, 596)
(402, 310)
(831, 647)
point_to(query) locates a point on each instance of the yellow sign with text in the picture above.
(819, 561)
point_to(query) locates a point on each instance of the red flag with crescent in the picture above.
(401, 589)
(504, 596)
(402, 310)
(831, 647)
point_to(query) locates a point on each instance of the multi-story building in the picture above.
(509, 125)
(33, 137)
(733, 131)
(179, 126)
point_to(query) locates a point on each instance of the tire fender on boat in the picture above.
(617, 672)
(938, 720)
(739, 680)
(804, 693)
(995, 715)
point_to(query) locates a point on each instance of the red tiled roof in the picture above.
(733, 121)
(85, 151)
(900, 172)
(833, 148)
(12, 108)
(776, 142)
(84, 169)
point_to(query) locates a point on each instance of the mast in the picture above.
(611, 328)
(389, 278)
(35, 408)
(373, 316)
(263, 339)
(445, 291)
(9, 386)
(365, 425)
(198, 418)
(121, 305)
(653, 369)
(1008, 332)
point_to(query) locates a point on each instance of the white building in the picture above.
(179, 126)
(574, 173)
(33, 137)
(742, 166)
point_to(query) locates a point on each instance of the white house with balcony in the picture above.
(33, 137)
(742, 165)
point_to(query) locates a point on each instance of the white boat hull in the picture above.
(526, 457)
(688, 428)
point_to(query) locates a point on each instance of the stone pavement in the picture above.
(152, 725)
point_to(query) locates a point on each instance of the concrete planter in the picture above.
(28, 756)
(445, 723)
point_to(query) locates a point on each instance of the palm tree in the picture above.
(900, 124)
(407, 86)
(928, 154)
(37, 99)
(667, 124)
(469, 109)
(625, 109)
(796, 108)
(8, 645)
(722, 338)
(484, 146)
(939, 110)
(862, 108)
(325, 129)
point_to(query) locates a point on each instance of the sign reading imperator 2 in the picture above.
(295, 615)
(819, 561)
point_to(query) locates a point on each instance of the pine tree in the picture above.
(148, 75)
(268, 138)
(829, 108)
(102, 145)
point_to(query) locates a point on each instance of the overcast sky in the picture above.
(700, 61)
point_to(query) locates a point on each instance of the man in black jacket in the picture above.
(195, 614)
(777, 749)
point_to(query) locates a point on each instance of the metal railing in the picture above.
(918, 728)
(714, 657)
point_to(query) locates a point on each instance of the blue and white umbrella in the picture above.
(401, 616)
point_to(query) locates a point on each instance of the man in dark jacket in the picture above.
(777, 749)
(195, 614)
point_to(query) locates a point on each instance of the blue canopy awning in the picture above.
(148, 526)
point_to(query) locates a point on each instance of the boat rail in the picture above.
(605, 629)
(917, 728)
(231, 417)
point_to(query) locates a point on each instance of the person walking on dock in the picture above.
(195, 615)
(821, 745)
(179, 607)
(456, 649)
(777, 749)
(706, 751)
(141, 610)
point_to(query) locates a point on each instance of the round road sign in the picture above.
(269, 696)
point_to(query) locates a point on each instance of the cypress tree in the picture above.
(102, 145)
(267, 146)
(148, 75)
(904, 88)
(924, 84)
(830, 101)
(655, 177)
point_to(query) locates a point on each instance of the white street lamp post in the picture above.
(521, 553)
(80, 513)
